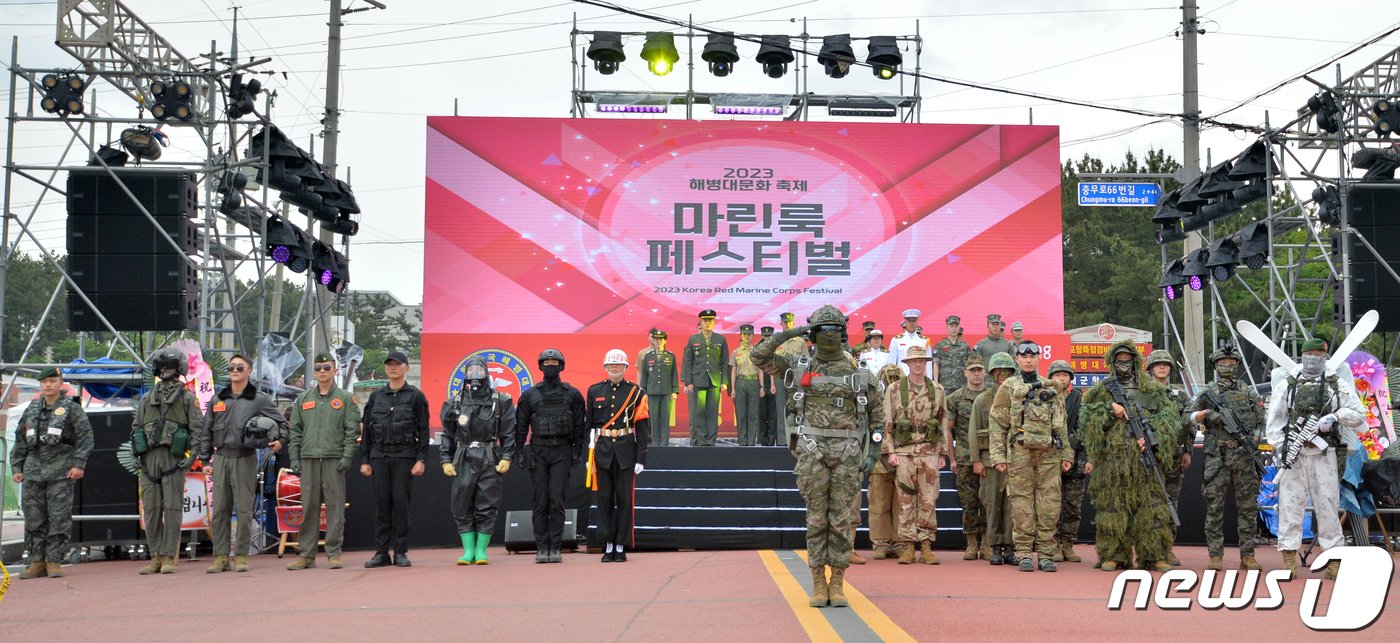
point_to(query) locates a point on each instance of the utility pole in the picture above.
(319, 333)
(1193, 353)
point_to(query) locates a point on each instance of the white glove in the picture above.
(637, 469)
(1326, 422)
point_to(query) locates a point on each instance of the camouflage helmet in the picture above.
(551, 353)
(1001, 360)
(1060, 366)
(827, 315)
(1224, 352)
(1160, 356)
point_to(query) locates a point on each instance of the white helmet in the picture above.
(615, 356)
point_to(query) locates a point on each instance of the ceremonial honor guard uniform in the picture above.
(617, 422)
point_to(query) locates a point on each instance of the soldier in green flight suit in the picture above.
(162, 433)
(837, 427)
(52, 443)
(325, 423)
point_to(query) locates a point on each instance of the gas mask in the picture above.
(1313, 365)
(477, 378)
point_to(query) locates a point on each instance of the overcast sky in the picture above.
(513, 59)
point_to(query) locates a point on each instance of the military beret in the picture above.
(396, 356)
(1315, 344)
(766, 331)
(911, 313)
(323, 357)
(49, 372)
(658, 333)
(746, 328)
(994, 318)
(707, 314)
(952, 319)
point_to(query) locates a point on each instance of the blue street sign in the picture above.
(1116, 194)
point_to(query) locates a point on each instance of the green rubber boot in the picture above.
(468, 544)
(482, 541)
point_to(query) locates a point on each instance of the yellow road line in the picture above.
(879, 623)
(816, 625)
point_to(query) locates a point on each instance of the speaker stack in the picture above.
(119, 258)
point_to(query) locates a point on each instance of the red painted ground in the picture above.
(683, 596)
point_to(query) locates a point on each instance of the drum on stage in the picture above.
(289, 514)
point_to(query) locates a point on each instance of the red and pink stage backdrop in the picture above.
(583, 234)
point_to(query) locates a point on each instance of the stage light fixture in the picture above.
(110, 156)
(616, 108)
(144, 143)
(660, 52)
(330, 268)
(1168, 210)
(1224, 257)
(1220, 208)
(1387, 116)
(1190, 199)
(242, 97)
(1329, 116)
(606, 51)
(884, 57)
(1329, 204)
(720, 53)
(288, 245)
(749, 110)
(774, 54)
(172, 100)
(1254, 163)
(342, 225)
(1195, 270)
(837, 55)
(231, 186)
(1173, 280)
(1170, 233)
(63, 94)
(1253, 244)
(1216, 181)
(870, 107)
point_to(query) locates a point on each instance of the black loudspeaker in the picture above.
(107, 488)
(162, 192)
(520, 531)
(1374, 211)
(126, 234)
(133, 274)
(139, 311)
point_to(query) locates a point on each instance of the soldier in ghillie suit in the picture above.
(836, 426)
(1132, 510)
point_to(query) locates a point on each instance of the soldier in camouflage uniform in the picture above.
(996, 544)
(836, 416)
(1028, 444)
(52, 443)
(956, 423)
(1230, 446)
(1072, 481)
(1132, 513)
(952, 353)
(1162, 369)
(917, 447)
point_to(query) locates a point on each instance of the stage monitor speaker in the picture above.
(141, 311)
(1374, 211)
(520, 530)
(107, 488)
(164, 193)
(107, 274)
(123, 234)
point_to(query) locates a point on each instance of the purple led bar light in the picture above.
(750, 110)
(632, 109)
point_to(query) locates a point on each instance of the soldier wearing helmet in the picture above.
(836, 428)
(618, 424)
(996, 544)
(1232, 417)
(161, 435)
(1071, 482)
(476, 447)
(550, 422)
(225, 434)
(1162, 368)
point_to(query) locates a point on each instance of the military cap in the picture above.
(917, 352)
(49, 372)
(1060, 366)
(973, 361)
(1017, 326)
(323, 357)
(912, 313)
(786, 316)
(707, 314)
(396, 356)
(867, 326)
(875, 332)
(658, 333)
(766, 331)
(1315, 344)
(994, 319)
(952, 319)
(746, 328)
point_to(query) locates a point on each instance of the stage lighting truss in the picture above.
(720, 53)
(660, 52)
(884, 57)
(774, 54)
(63, 94)
(606, 51)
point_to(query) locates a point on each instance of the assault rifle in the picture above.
(1138, 430)
(1247, 439)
